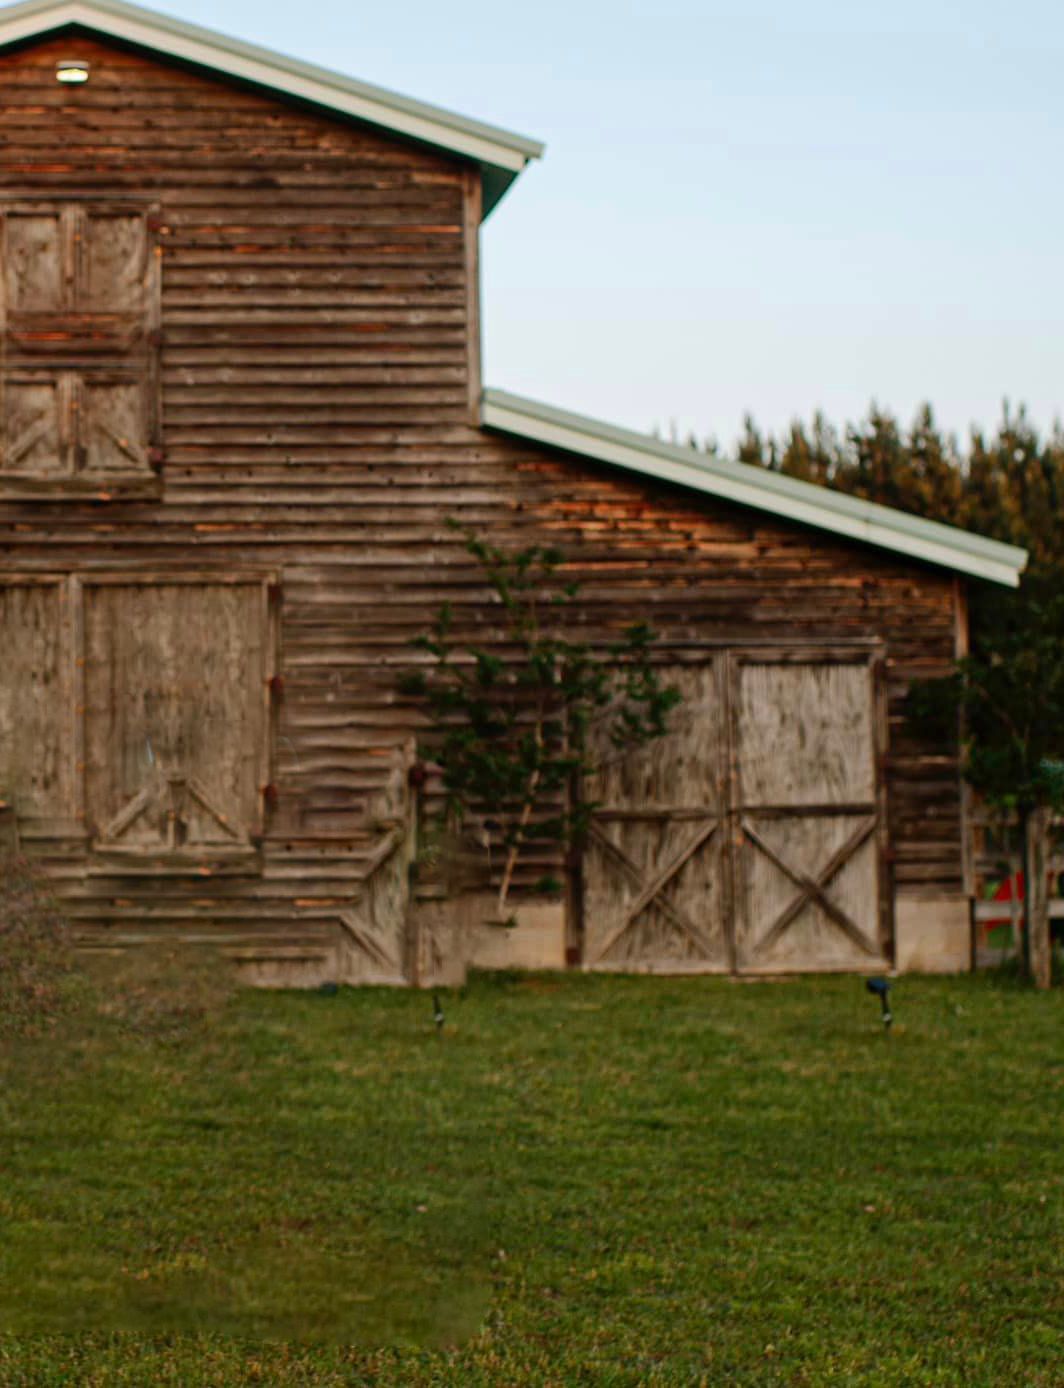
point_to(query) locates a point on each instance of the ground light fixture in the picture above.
(881, 988)
(72, 71)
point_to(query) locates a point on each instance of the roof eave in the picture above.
(786, 497)
(501, 154)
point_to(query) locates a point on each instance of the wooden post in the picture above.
(1036, 896)
(415, 778)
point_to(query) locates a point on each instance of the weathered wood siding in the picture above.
(318, 371)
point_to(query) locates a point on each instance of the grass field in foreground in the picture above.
(582, 1180)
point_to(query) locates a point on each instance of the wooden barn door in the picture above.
(36, 705)
(653, 876)
(176, 724)
(752, 836)
(79, 296)
(807, 812)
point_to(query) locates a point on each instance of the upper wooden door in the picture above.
(652, 872)
(808, 813)
(79, 307)
(87, 266)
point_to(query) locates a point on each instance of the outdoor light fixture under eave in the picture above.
(71, 70)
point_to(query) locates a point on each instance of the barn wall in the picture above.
(707, 572)
(318, 365)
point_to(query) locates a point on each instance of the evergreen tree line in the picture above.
(1008, 485)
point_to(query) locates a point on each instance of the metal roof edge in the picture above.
(490, 146)
(805, 502)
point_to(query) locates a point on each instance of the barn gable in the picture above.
(241, 397)
(500, 154)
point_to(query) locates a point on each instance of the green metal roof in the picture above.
(772, 492)
(501, 154)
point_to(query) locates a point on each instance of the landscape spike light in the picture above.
(881, 988)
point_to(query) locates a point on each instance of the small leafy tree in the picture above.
(1010, 695)
(511, 717)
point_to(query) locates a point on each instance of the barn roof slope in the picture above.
(786, 497)
(500, 153)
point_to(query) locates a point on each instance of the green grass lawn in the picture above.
(582, 1180)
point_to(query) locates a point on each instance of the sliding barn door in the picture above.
(653, 866)
(751, 837)
(176, 733)
(807, 814)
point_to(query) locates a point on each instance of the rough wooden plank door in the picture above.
(114, 262)
(653, 897)
(79, 304)
(176, 723)
(35, 759)
(807, 813)
(112, 425)
(36, 427)
(37, 274)
(68, 258)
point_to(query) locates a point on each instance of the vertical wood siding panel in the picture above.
(34, 757)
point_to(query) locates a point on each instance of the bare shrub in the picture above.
(37, 966)
(162, 990)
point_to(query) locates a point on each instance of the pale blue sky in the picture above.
(769, 206)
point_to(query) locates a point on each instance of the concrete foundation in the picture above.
(537, 941)
(462, 933)
(451, 936)
(287, 973)
(932, 934)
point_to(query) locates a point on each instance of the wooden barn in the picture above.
(241, 394)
